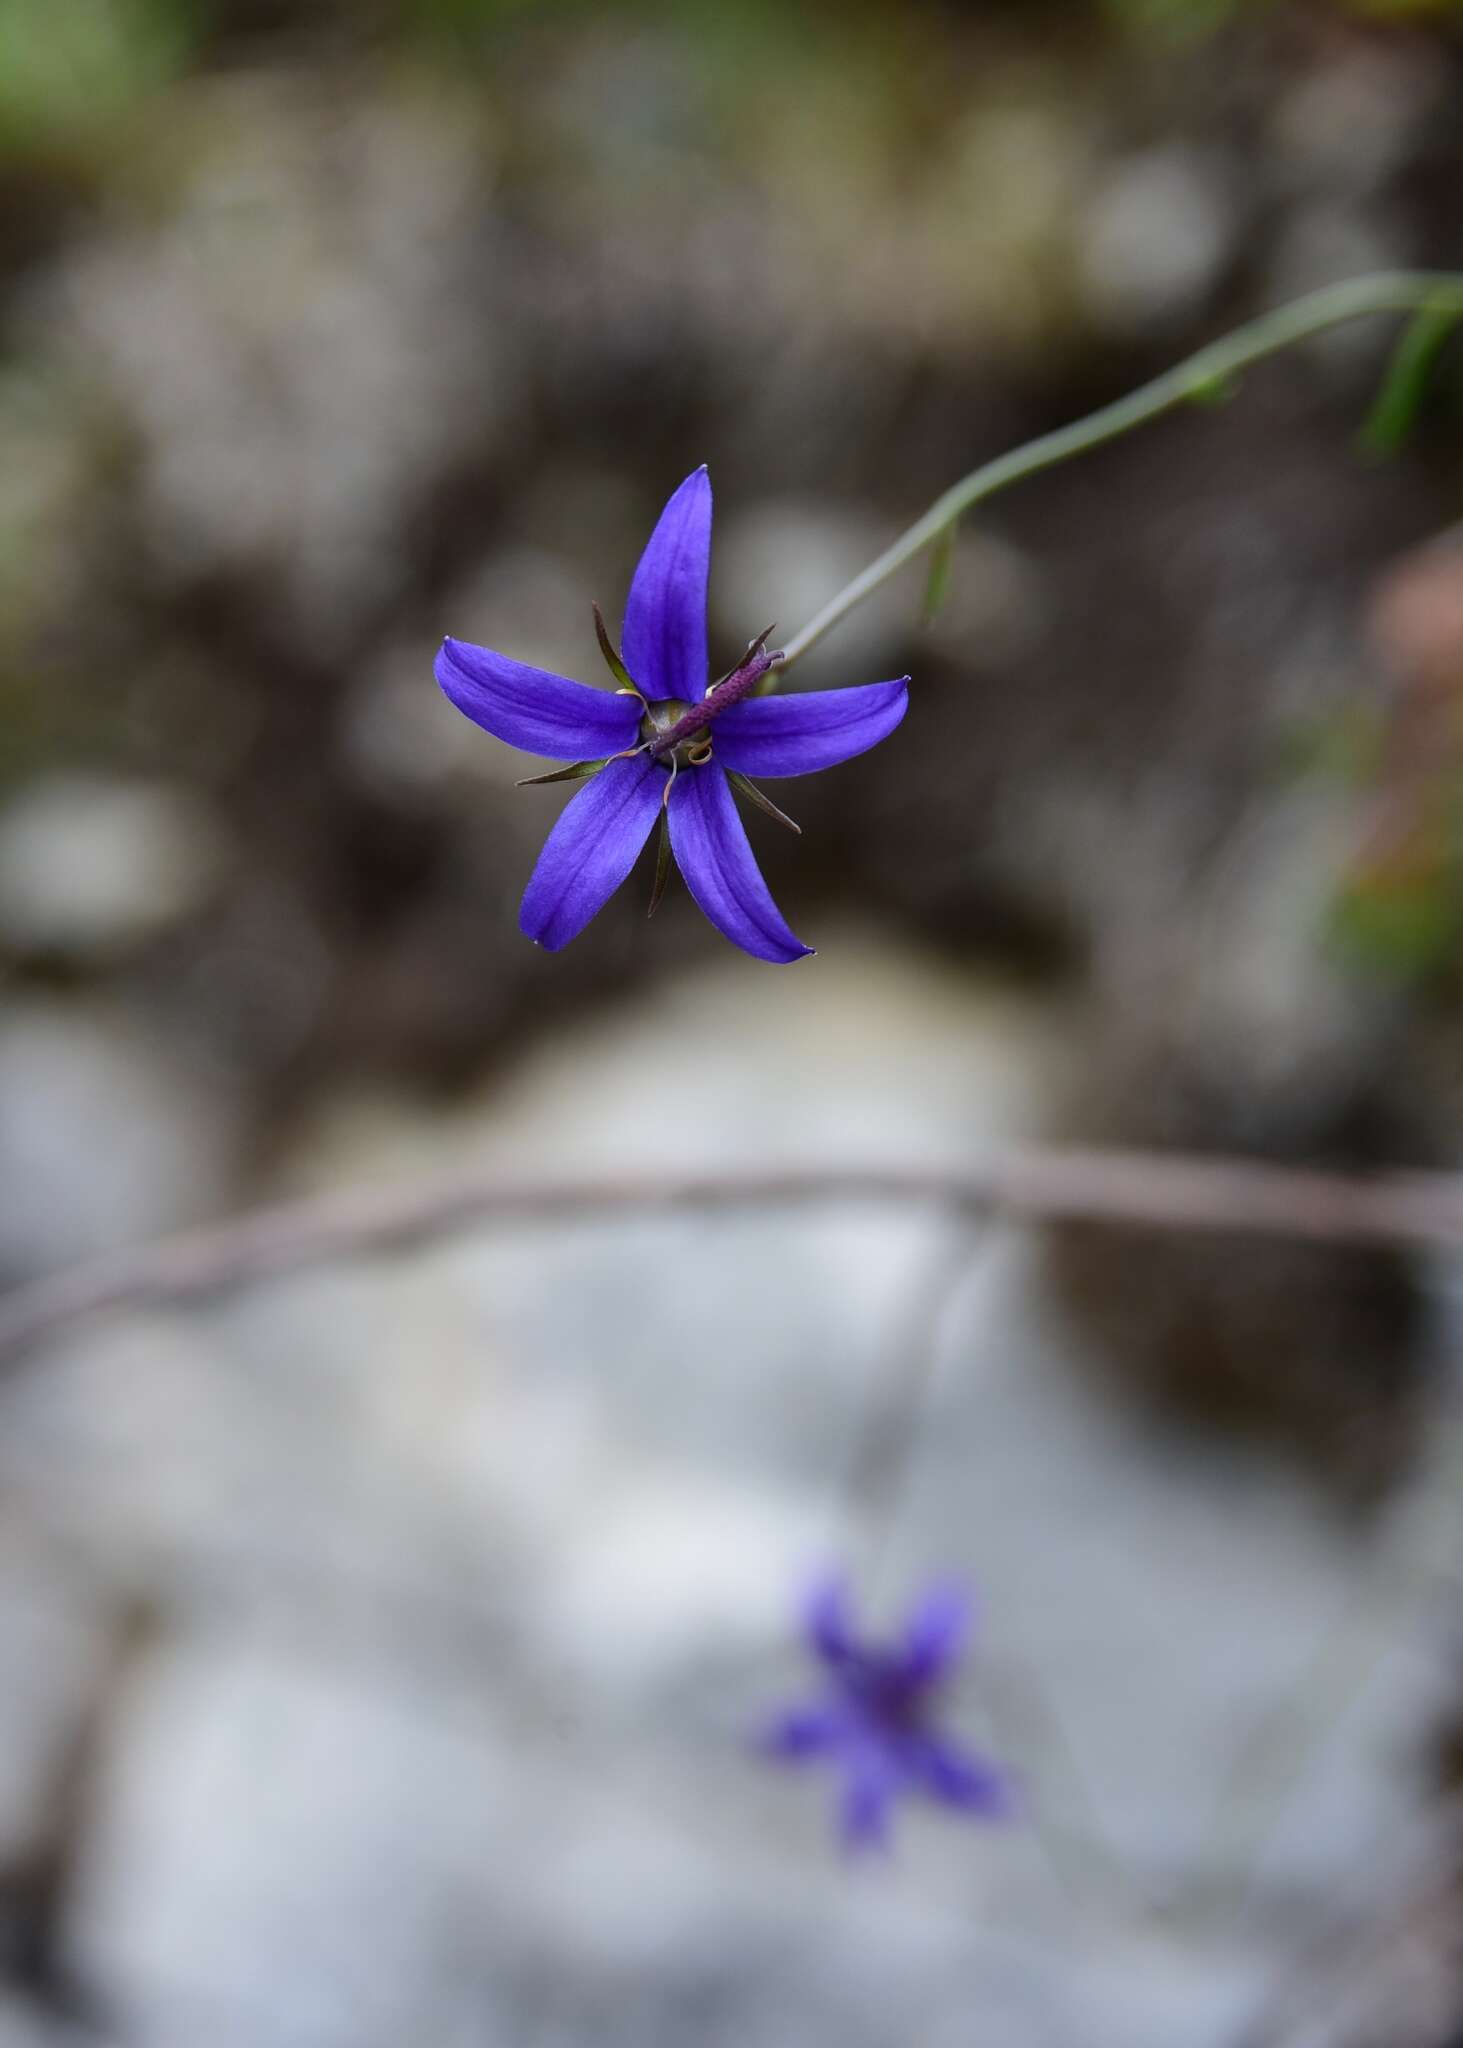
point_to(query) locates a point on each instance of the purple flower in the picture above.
(873, 1720)
(664, 747)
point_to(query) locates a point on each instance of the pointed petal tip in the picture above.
(798, 1734)
(937, 1631)
(965, 1783)
(865, 1809)
(531, 708)
(663, 640)
(590, 851)
(827, 1616)
(785, 956)
(806, 731)
(453, 649)
(710, 844)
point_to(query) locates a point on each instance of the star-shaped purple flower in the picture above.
(664, 747)
(873, 1721)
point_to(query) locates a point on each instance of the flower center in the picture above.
(882, 1687)
(693, 750)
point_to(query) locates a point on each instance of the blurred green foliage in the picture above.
(1404, 387)
(1398, 912)
(1198, 16)
(1400, 932)
(70, 67)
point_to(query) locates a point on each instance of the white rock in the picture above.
(103, 1139)
(403, 740)
(1323, 239)
(486, 1558)
(264, 1808)
(53, 1646)
(783, 559)
(92, 866)
(1157, 235)
(1352, 122)
(278, 346)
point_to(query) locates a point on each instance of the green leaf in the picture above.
(937, 586)
(1214, 391)
(1396, 406)
(577, 771)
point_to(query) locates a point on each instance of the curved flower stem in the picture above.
(893, 1410)
(1200, 376)
(872, 1494)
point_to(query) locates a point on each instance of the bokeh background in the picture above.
(380, 1647)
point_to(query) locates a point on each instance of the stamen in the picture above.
(754, 648)
(730, 690)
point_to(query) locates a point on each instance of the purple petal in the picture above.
(710, 845)
(868, 1798)
(591, 850)
(828, 1621)
(804, 1732)
(532, 709)
(957, 1779)
(664, 642)
(817, 729)
(934, 1635)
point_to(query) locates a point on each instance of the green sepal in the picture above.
(607, 648)
(662, 865)
(577, 771)
(747, 788)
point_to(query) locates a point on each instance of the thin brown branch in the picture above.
(1167, 1192)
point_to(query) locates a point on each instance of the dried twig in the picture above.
(1167, 1192)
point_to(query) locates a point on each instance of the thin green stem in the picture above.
(1438, 293)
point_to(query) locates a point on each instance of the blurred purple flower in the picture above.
(663, 746)
(873, 1720)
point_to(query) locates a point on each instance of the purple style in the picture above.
(662, 747)
(873, 1720)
